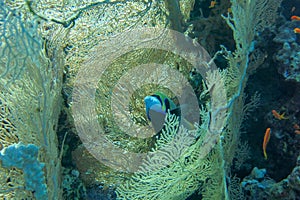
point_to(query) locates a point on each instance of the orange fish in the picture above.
(278, 116)
(266, 140)
(296, 30)
(212, 4)
(294, 17)
(296, 126)
(297, 132)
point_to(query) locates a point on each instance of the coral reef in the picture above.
(38, 39)
(259, 186)
(73, 187)
(288, 55)
(25, 158)
(31, 80)
(99, 192)
(256, 184)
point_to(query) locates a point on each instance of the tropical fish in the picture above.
(212, 4)
(158, 102)
(297, 129)
(296, 30)
(266, 140)
(294, 17)
(296, 126)
(157, 106)
(278, 116)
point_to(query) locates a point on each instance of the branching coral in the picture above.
(180, 178)
(25, 158)
(31, 73)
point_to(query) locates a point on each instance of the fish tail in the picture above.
(265, 155)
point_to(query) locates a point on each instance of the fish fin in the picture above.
(157, 120)
(265, 155)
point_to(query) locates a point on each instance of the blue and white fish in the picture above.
(158, 102)
(157, 106)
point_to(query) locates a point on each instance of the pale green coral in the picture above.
(182, 169)
(178, 180)
(165, 176)
(30, 95)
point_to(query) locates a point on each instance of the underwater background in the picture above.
(150, 99)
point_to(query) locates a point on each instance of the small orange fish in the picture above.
(294, 17)
(266, 140)
(212, 4)
(278, 116)
(297, 132)
(296, 126)
(296, 30)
